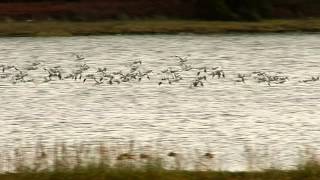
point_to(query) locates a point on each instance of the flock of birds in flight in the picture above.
(136, 73)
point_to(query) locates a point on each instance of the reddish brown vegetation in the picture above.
(122, 9)
(97, 9)
(296, 8)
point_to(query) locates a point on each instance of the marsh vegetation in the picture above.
(81, 161)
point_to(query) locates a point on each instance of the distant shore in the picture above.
(73, 28)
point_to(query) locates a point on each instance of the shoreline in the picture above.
(112, 27)
(102, 161)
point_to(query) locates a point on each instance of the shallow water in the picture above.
(223, 117)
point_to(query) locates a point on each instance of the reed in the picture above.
(83, 161)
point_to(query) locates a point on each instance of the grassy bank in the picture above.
(147, 173)
(99, 162)
(65, 28)
(155, 170)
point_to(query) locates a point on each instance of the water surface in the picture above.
(223, 117)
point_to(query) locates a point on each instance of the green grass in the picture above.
(101, 172)
(66, 28)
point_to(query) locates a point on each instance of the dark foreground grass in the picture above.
(66, 28)
(96, 172)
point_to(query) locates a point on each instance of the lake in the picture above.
(225, 116)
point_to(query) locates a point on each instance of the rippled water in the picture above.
(223, 116)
